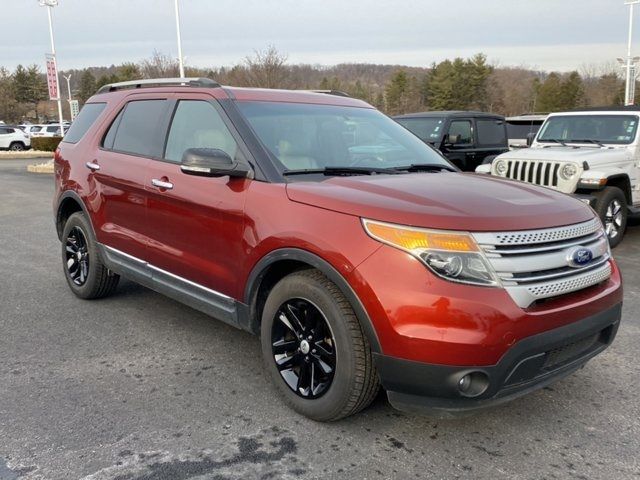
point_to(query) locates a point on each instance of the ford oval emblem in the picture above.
(579, 257)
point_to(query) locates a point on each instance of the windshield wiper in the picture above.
(554, 140)
(587, 140)
(425, 167)
(342, 171)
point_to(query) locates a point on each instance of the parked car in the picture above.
(467, 139)
(30, 129)
(522, 128)
(12, 138)
(358, 253)
(593, 154)
(50, 130)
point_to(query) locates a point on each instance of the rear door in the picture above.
(196, 223)
(5, 137)
(491, 139)
(118, 168)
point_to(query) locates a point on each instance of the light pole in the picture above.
(180, 39)
(50, 4)
(629, 92)
(68, 79)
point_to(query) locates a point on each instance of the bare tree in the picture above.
(159, 66)
(266, 69)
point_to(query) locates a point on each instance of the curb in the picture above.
(41, 168)
(25, 155)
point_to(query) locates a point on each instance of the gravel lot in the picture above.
(139, 387)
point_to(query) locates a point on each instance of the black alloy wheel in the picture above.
(77, 255)
(303, 348)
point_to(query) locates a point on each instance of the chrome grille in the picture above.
(534, 265)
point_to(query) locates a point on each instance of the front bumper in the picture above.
(528, 365)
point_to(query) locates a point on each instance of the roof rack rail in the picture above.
(158, 82)
(337, 93)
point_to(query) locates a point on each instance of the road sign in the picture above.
(75, 108)
(52, 77)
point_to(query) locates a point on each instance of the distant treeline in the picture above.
(458, 84)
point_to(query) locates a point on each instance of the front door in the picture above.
(458, 145)
(196, 223)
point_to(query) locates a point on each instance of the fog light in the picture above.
(473, 384)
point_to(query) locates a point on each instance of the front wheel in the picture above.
(17, 147)
(315, 350)
(611, 207)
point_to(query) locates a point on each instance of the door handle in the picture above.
(161, 184)
(93, 166)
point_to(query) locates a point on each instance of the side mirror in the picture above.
(530, 138)
(211, 162)
(451, 139)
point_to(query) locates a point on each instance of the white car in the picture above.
(591, 154)
(30, 128)
(49, 130)
(522, 127)
(12, 138)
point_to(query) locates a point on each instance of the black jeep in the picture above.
(467, 139)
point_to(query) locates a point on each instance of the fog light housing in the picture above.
(473, 384)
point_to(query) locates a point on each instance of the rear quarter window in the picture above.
(491, 132)
(87, 117)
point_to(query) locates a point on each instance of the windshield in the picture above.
(612, 129)
(307, 137)
(428, 129)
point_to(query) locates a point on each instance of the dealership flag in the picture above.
(52, 77)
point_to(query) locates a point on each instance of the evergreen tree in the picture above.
(549, 94)
(572, 92)
(395, 93)
(87, 86)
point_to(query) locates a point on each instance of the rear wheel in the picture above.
(315, 350)
(86, 275)
(16, 146)
(611, 207)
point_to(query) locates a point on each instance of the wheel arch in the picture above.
(70, 203)
(279, 263)
(622, 182)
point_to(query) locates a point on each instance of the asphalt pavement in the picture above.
(139, 387)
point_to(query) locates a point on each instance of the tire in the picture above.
(611, 207)
(17, 147)
(353, 381)
(86, 275)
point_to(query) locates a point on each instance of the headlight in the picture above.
(568, 171)
(501, 168)
(454, 256)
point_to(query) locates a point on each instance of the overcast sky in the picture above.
(544, 34)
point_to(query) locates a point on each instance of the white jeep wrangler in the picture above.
(592, 154)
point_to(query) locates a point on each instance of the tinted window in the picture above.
(428, 129)
(491, 132)
(461, 129)
(111, 134)
(520, 130)
(4, 131)
(137, 131)
(304, 136)
(197, 124)
(83, 121)
(53, 129)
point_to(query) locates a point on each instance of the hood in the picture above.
(451, 201)
(592, 155)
